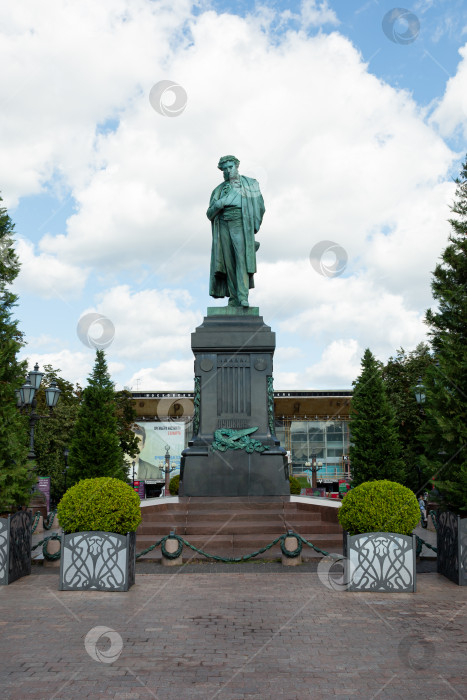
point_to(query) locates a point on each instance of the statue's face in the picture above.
(229, 169)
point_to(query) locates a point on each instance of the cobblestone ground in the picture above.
(232, 636)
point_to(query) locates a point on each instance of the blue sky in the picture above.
(353, 137)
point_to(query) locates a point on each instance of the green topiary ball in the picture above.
(295, 487)
(174, 484)
(379, 506)
(103, 504)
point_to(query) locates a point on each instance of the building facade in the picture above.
(313, 426)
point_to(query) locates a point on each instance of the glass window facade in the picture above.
(328, 441)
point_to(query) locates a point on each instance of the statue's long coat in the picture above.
(252, 215)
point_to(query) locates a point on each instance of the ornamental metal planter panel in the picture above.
(97, 561)
(383, 562)
(452, 547)
(15, 546)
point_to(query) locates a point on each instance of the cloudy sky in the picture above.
(352, 116)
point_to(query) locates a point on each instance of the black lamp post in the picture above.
(315, 467)
(26, 397)
(420, 398)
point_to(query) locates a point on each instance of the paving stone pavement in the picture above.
(229, 636)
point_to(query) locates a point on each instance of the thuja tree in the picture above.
(401, 375)
(95, 447)
(445, 435)
(375, 450)
(15, 477)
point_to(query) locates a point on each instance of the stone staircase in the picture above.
(232, 527)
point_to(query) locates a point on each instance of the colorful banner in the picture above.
(154, 438)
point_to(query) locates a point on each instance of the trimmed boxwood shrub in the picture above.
(174, 483)
(295, 487)
(379, 506)
(103, 504)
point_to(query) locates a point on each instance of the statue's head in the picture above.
(229, 166)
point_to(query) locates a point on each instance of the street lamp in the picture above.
(420, 392)
(420, 398)
(26, 397)
(167, 469)
(315, 467)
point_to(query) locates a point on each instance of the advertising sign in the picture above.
(139, 488)
(154, 437)
(43, 485)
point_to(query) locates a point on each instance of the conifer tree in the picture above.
(375, 451)
(401, 375)
(95, 447)
(445, 435)
(15, 476)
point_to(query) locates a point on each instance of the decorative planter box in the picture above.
(15, 546)
(452, 547)
(97, 561)
(380, 561)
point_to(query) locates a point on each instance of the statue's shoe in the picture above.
(245, 303)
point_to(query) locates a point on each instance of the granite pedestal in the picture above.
(233, 351)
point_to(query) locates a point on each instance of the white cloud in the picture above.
(451, 112)
(46, 275)
(338, 367)
(314, 13)
(150, 324)
(173, 374)
(75, 366)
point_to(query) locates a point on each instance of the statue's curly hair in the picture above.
(224, 159)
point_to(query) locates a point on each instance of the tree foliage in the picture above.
(15, 476)
(95, 447)
(375, 451)
(401, 375)
(445, 432)
(53, 433)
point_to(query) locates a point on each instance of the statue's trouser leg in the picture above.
(233, 249)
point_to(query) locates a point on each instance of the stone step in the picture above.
(222, 516)
(235, 527)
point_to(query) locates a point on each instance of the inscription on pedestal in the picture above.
(234, 423)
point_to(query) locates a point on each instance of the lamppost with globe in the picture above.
(26, 398)
(167, 469)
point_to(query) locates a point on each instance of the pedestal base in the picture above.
(208, 472)
(234, 403)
